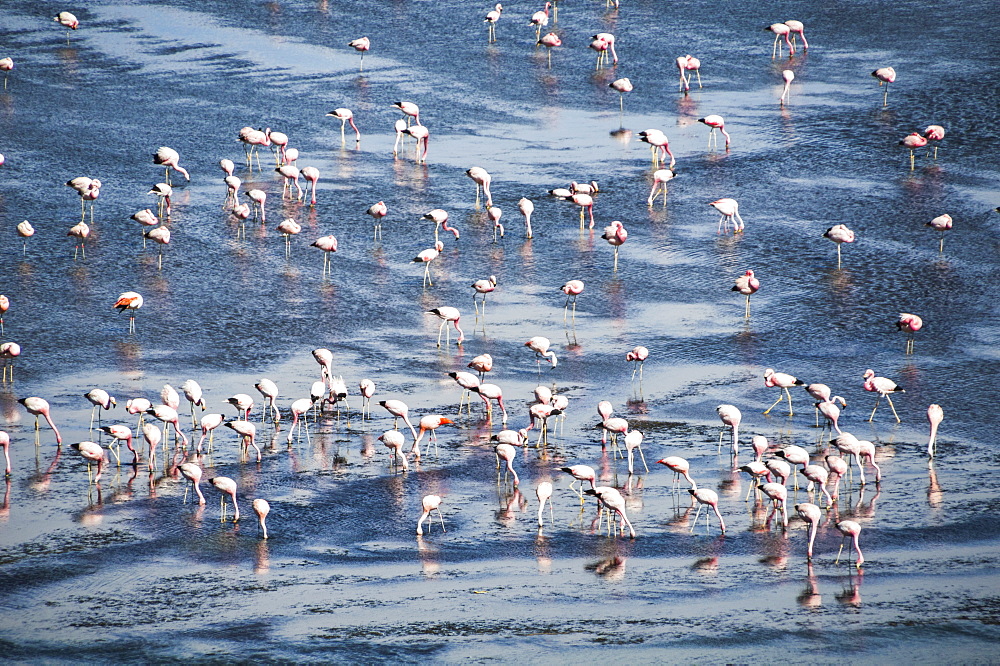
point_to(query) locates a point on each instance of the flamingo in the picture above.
(621, 86)
(796, 27)
(885, 75)
(508, 453)
(812, 514)
(345, 116)
(580, 473)
(687, 63)
(912, 142)
(394, 440)
(410, 109)
(279, 142)
(440, 219)
(163, 192)
(680, 467)
(716, 122)
(422, 135)
(483, 288)
(550, 41)
(490, 392)
(137, 406)
(934, 133)
(209, 422)
(361, 45)
(609, 45)
(243, 404)
(193, 473)
(100, 399)
(377, 211)
(482, 179)
(80, 230)
(838, 468)
(70, 21)
(429, 423)
(91, 452)
(40, 407)
(448, 314)
(778, 495)
(233, 184)
(129, 301)
(747, 285)
(543, 491)
(122, 433)
(572, 289)
(367, 390)
(910, 323)
(328, 244)
(638, 355)
(526, 207)
(400, 126)
(491, 18)
(850, 530)
(839, 234)
(269, 391)
(616, 426)
(787, 76)
(729, 209)
(226, 486)
(611, 498)
(468, 382)
(426, 257)
(867, 450)
(252, 139)
(730, 416)
(311, 174)
(783, 381)
(261, 508)
(849, 445)
(161, 236)
(195, 396)
(540, 345)
(290, 173)
(633, 440)
(481, 364)
(248, 435)
(324, 357)
(584, 201)
(289, 228)
(540, 19)
(399, 410)
(169, 158)
(659, 144)
(934, 416)
(780, 30)
(299, 408)
(8, 352)
(706, 497)
(794, 455)
(430, 503)
(883, 386)
(616, 235)
(940, 223)
(660, 179)
(26, 231)
(756, 470)
(6, 65)
(831, 411)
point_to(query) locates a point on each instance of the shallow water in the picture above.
(127, 570)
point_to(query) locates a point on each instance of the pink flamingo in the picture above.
(377, 211)
(311, 174)
(572, 289)
(604, 42)
(621, 86)
(540, 345)
(883, 386)
(226, 486)
(91, 452)
(612, 498)
(491, 18)
(660, 179)
(329, 245)
(616, 235)
(81, 231)
(585, 202)
(540, 19)
(258, 198)
(279, 143)
(839, 234)
(747, 285)
(163, 192)
(345, 116)
(910, 323)
(422, 135)
(730, 212)
(731, 416)
(448, 314)
(934, 416)
(252, 139)
(543, 492)
(490, 392)
(787, 76)
(394, 440)
(912, 142)
(797, 28)
(426, 257)
(934, 133)
(780, 30)
(482, 179)
(885, 75)
(716, 122)
(831, 411)
(783, 381)
(508, 453)
(550, 41)
(40, 407)
(686, 63)
(410, 109)
(850, 530)
(261, 508)
(429, 423)
(638, 355)
(483, 287)
(361, 45)
(680, 467)
(706, 497)
(941, 223)
(399, 410)
(812, 514)
(580, 473)
(169, 158)
(440, 219)
(430, 503)
(658, 144)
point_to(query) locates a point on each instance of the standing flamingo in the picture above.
(491, 18)
(439, 217)
(731, 416)
(585, 202)
(839, 234)
(91, 452)
(913, 141)
(26, 231)
(621, 86)
(612, 498)
(730, 212)
(161, 236)
(410, 109)
(425, 257)
(430, 503)
(508, 453)
(716, 122)
(482, 179)
(787, 76)
(129, 301)
(377, 211)
(169, 158)
(812, 514)
(572, 289)
(910, 323)
(483, 288)
(40, 407)
(934, 416)
(193, 473)
(261, 508)
(8, 352)
(883, 386)
(580, 473)
(706, 497)
(81, 231)
(163, 192)
(659, 145)
(422, 135)
(543, 491)
(783, 381)
(226, 486)
(490, 392)
(550, 41)
(345, 116)
(311, 174)
(940, 223)
(361, 45)
(448, 314)
(616, 235)
(885, 75)
(526, 207)
(850, 530)
(680, 467)
(329, 245)
(934, 133)
(638, 355)
(540, 345)
(290, 173)
(660, 179)
(747, 285)
(797, 28)
(780, 30)
(540, 19)
(399, 410)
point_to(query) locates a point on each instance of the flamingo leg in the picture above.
(876, 407)
(780, 398)
(892, 408)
